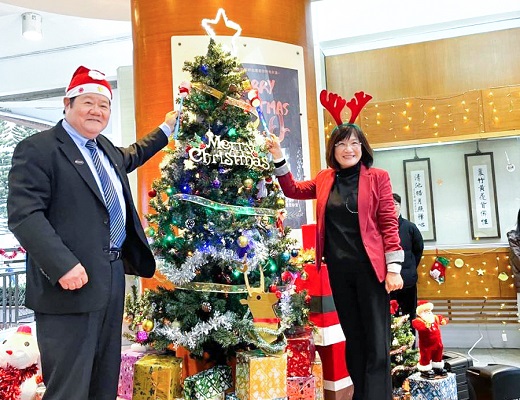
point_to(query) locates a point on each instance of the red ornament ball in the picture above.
(286, 276)
(152, 193)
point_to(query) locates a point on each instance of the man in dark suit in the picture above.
(413, 246)
(62, 213)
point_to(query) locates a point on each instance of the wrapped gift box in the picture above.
(260, 377)
(126, 373)
(433, 389)
(300, 353)
(301, 388)
(157, 377)
(317, 372)
(209, 384)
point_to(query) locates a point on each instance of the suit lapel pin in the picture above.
(79, 162)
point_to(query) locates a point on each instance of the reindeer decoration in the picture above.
(334, 104)
(261, 305)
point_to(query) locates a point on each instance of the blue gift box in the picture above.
(433, 389)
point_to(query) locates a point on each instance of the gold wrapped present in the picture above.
(157, 377)
(260, 377)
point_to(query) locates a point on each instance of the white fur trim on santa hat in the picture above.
(426, 306)
(89, 88)
(85, 80)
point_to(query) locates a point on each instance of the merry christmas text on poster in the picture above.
(278, 90)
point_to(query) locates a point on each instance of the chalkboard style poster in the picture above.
(278, 89)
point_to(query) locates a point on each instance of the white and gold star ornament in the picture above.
(189, 164)
(480, 272)
(221, 13)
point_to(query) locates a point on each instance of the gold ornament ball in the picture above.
(147, 325)
(243, 241)
(248, 183)
(280, 203)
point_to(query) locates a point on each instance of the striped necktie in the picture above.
(117, 222)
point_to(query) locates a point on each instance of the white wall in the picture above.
(450, 194)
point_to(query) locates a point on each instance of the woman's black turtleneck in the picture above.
(342, 234)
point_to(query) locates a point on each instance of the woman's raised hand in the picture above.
(272, 145)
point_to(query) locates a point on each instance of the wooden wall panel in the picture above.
(478, 277)
(449, 80)
(429, 69)
(501, 108)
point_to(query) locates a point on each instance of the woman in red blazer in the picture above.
(357, 234)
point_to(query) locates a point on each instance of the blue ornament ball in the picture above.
(216, 183)
(204, 69)
(186, 188)
(285, 256)
(294, 253)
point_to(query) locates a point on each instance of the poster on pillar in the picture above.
(276, 71)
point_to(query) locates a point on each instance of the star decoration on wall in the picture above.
(440, 182)
(221, 13)
(480, 272)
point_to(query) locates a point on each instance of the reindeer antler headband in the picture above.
(334, 104)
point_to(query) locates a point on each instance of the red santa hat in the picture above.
(422, 306)
(87, 80)
(24, 329)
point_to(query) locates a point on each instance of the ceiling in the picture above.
(77, 32)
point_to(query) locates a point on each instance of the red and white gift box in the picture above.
(300, 353)
(301, 388)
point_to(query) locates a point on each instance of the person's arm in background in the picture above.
(417, 244)
(389, 230)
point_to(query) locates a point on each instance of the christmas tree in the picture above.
(10, 136)
(403, 356)
(217, 228)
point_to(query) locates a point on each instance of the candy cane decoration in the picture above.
(184, 90)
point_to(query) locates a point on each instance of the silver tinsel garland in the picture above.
(188, 270)
(199, 333)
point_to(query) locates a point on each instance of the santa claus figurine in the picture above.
(427, 324)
